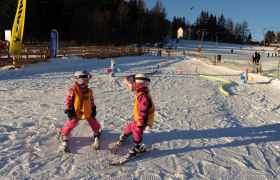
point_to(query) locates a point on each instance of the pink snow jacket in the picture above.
(70, 100)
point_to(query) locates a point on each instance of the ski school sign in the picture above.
(113, 68)
(54, 43)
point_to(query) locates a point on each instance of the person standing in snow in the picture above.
(144, 110)
(254, 57)
(80, 106)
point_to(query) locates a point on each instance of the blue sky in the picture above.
(259, 14)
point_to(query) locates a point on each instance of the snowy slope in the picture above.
(199, 133)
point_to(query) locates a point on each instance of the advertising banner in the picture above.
(17, 31)
(54, 43)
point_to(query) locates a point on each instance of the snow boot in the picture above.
(63, 140)
(136, 150)
(114, 148)
(122, 139)
(96, 137)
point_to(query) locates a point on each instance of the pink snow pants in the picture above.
(71, 124)
(131, 128)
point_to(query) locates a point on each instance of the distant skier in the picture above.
(254, 57)
(80, 106)
(144, 110)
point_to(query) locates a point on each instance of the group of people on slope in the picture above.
(80, 105)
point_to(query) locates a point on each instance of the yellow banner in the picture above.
(17, 31)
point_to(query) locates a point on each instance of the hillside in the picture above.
(199, 132)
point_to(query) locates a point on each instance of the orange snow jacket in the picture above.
(82, 103)
(148, 117)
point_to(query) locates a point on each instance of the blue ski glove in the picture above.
(93, 111)
(70, 114)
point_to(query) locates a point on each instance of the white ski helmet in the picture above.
(141, 81)
(82, 75)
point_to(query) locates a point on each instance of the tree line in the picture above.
(214, 28)
(89, 21)
(115, 22)
(271, 37)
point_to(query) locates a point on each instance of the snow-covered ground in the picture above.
(199, 132)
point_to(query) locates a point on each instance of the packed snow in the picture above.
(199, 132)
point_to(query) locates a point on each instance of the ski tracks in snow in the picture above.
(199, 133)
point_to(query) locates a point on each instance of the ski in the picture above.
(124, 159)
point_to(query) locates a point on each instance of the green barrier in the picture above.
(221, 88)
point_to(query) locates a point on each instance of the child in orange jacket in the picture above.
(144, 109)
(80, 106)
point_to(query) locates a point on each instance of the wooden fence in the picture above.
(30, 55)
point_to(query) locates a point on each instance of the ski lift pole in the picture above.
(190, 29)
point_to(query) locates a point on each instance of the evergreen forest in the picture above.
(116, 22)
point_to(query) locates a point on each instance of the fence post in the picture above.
(278, 67)
(41, 52)
(248, 64)
(27, 52)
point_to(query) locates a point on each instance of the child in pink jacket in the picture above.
(80, 106)
(144, 109)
